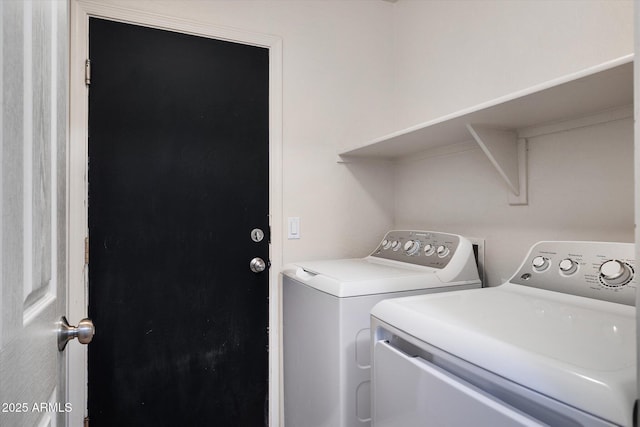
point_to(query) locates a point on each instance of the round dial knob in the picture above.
(429, 249)
(540, 263)
(442, 251)
(568, 266)
(615, 273)
(411, 247)
(395, 245)
(386, 244)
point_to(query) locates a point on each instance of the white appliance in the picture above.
(555, 345)
(326, 305)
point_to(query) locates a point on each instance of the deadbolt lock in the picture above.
(257, 235)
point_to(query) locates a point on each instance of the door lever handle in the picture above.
(84, 332)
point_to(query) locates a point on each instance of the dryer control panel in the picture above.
(425, 248)
(601, 270)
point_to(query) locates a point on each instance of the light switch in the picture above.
(294, 228)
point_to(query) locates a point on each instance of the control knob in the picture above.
(568, 266)
(429, 249)
(615, 273)
(386, 244)
(540, 263)
(411, 247)
(442, 251)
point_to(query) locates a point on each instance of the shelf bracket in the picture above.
(508, 154)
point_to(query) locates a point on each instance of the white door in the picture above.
(33, 216)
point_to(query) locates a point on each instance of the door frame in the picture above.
(77, 298)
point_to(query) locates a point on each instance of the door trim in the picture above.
(81, 11)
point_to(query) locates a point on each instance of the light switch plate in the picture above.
(293, 230)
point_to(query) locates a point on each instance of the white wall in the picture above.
(455, 54)
(337, 77)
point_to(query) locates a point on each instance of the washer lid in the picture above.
(363, 276)
(577, 350)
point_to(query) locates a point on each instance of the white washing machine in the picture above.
(326, 305)
(555, 345)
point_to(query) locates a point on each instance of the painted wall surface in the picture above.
(456, 54)
(337, 77)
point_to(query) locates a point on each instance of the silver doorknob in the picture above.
(84, 332)
(257, 265)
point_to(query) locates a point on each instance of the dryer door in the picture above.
(411, 392)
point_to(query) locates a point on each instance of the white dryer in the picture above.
(326, 305)
(555, 345)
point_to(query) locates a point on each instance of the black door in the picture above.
(178, 179)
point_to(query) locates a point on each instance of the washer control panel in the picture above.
(600, 270)
(425, 248)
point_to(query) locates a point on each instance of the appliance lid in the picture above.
(364, 276)
(358, 269)
(578, 350)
